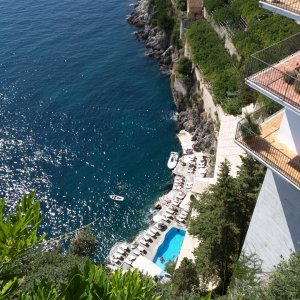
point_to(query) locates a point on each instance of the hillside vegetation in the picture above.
(253, 29)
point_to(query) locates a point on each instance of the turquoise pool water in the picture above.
(170, 247)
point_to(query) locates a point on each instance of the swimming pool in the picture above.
(170, 247)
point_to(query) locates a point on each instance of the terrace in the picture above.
(275, 72)
(287, 8)
(265, 147)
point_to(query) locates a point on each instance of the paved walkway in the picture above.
(226, 147)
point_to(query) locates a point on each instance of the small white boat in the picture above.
(116, 197)
(173, 159)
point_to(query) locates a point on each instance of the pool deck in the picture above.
(195, 183)
(182, 170)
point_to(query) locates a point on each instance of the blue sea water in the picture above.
(84, 113)
(170, 248)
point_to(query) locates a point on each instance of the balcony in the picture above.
(275, 72)
(287, 8)
(266, 148)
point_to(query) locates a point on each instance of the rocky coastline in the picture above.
(191, 115)
(157, 42)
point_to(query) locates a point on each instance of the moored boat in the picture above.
(173, 159)
(116, 197)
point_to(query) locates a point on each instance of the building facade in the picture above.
(274, 231)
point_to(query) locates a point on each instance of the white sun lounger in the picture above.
(157, 226)
(165, 218)
(127, 261)
(143, 242)
(180, 219)
(151, 233)
(124, 247)
(168, 215)
(131, 257)
(141, 248)
(146, 237)
(136, 251)
(154, 230)
(121, 251)
(115, 260)
(117, 255)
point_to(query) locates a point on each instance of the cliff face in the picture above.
(191, 114)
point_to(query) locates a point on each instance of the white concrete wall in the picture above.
(289, 132)
(274, 231)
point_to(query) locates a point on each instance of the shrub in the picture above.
(249, 127)
(297, 84)
(184, 66)
(289, 77)
(181, 5)
(212, 5)
(225, 14)
(175, 37)
(233, 106)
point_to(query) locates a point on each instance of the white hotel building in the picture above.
(274, 231)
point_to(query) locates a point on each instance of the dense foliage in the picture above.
(181, 5)
(224, 213)
(214, 61)
(22, 255)
(183, 69)
(254, 28)
(164, 15)
(283, 283)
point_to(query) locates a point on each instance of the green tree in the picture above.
(284, 283)
(84, 244)
(224, 213)
(184, 66)
(185, 278)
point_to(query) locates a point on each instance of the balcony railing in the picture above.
(289, 5)
(275, 70)
(287, 166)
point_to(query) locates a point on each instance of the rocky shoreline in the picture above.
(156, 41)
(191, 115)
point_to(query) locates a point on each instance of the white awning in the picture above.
(146, 266)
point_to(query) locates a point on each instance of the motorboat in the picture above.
(173, 159)
(116, 198)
